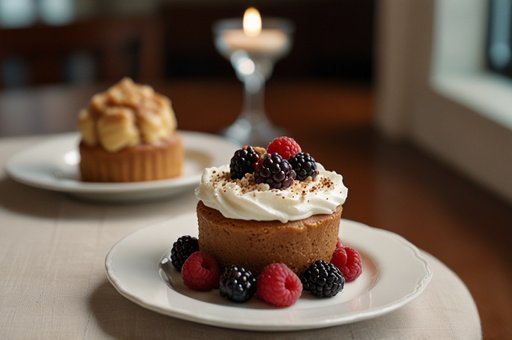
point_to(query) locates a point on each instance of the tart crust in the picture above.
(144, 162)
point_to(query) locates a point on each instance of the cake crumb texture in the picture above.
(254, 244)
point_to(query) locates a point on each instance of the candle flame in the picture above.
(252, 22)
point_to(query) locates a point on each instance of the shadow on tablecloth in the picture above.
(120, 318)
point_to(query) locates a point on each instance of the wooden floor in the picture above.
(394, 186)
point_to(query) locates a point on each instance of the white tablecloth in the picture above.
(53, 283)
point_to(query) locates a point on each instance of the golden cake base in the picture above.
(145, 162)
(254, 244)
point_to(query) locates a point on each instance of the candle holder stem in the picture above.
(252, 126)
(254, 98)
(253, 58)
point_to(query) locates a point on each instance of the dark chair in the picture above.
(121, 46)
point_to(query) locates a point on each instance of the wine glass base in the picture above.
(258, 133)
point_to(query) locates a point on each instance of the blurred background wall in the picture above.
(333, 39)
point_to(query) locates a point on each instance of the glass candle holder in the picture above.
(253, 56)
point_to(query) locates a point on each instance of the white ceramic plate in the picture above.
(394, 273)
(53, 165)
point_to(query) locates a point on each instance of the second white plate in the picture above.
(394, 273)
(53, 165)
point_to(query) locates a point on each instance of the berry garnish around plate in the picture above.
(339, 257)
(323, 279)
(278, 285)
(352, 266)
(182, 249)
(201, 272)
(237, 284)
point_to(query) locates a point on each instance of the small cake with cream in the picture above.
(128, 134)
(268, 207)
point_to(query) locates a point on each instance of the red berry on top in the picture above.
(278, 285)
(339, 244)
(353, 266)
(339, 257)
(287, 147)
(201, 271)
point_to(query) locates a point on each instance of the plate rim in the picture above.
(111, 188)
(369, 313)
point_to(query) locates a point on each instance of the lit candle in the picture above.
(253, 38)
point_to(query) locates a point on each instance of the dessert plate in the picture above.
(394, 273)
(53, 165)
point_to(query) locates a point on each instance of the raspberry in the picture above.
(278, 285)
(339, 257)
(304, 166)
(201, 272)
(339, 243)
(285, 146)
(323, 279)
(181, 250)
(237, 284)
(353, 266)
(243, 162)
(275, 171)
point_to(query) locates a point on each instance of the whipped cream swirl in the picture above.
(245, 200)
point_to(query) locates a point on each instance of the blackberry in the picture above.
(304, 165)
(243, 162)
(237, 284)
(275, 171)
(182, 249)
(323, 279)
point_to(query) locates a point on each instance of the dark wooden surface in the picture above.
(392, 185)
